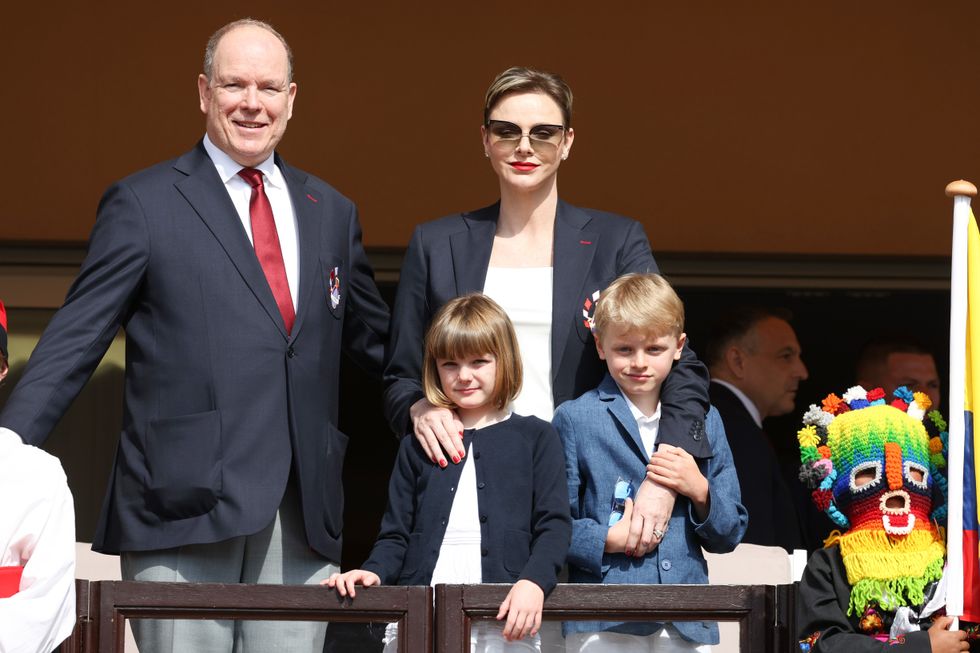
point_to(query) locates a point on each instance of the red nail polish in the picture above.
(460, 434)
(455, 459)
(434, 459)
(442, 462)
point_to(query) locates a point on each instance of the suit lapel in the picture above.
(305, 202)
(574, 249)
(205, 192)
(611, 395)
(471, 249)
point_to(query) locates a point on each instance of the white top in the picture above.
(526, 295)
(282, 207)
(37, 531)
(459, 555)
(744, 398)
(649, 427)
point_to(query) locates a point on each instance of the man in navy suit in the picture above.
(239, 280)
(756, 369)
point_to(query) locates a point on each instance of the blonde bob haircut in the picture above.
(472, 325)
(640, 302)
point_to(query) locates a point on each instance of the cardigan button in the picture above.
(476, 455)
(483, 519)
(484, 552)
(665, 565)
(480, 486)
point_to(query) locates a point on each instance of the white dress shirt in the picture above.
(749, 405)
(282, 207)
(649, 427)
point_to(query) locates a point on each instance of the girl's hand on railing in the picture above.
(522, 607)
(344, 583)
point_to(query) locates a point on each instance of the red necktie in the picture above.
(266, 241)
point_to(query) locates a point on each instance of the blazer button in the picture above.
(484, 552)
(483, 519)
(443, 522)
(665, 565)
(291, 352)
(476, 455)
(481, 486)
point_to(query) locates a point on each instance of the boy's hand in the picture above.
(676, 469)
(344, 583)
(651, 512)
(522, 607)
(619, 532)
(438, 430)
(943, 640)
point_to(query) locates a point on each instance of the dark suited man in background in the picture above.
(891, 361)
(754, 359)
(239, 280)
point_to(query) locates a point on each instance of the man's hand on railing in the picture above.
(522, 607)
(344, 583)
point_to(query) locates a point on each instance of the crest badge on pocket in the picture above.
(588, 311)
(334, 286)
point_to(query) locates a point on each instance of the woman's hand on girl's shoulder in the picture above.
(438, 430)
(522, 607)
(344, 583)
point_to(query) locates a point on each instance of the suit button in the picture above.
(452, 489)
(476, 455)
(483, 519)
(665, 565)
(481, 486)
(484, 553)
(291, 352)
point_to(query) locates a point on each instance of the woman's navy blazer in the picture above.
(449, 257)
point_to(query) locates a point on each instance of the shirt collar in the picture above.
(638, 414)
(228, 169)
(749, 405)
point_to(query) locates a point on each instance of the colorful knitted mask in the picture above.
(873, 467)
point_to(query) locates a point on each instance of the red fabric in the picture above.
(265, 238)
(3, 316)
(10, 581)
(971, 577)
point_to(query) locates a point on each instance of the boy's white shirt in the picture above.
(649, 427)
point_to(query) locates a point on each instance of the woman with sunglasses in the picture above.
(545, 262)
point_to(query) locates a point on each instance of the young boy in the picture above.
(877, 470)
(610, 434)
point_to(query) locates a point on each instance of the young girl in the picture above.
(502, 516)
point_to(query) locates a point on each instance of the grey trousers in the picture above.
(278, 554)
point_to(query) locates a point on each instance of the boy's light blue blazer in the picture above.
(602, 443)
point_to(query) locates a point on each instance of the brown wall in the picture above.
(818, 127)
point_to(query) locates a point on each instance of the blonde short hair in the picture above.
(472, 325)
(528, 80)
(640, 302)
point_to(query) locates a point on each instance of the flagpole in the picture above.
(961, 192)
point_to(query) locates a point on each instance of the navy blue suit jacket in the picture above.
(220, 403)
(773, 520)
(522, 499)
(449, 257)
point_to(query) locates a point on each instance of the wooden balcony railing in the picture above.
(764, 613)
